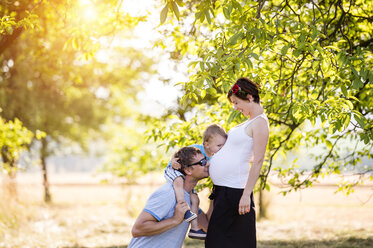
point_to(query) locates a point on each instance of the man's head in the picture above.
(192, 162)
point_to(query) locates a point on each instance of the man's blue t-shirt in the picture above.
(161, 204)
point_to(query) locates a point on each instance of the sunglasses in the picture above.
(202, 162)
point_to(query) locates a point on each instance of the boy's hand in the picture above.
(175, 164)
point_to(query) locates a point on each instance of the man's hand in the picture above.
(147, 225)
(175, 164)
(180, 210)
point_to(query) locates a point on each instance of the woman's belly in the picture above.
(228, 168)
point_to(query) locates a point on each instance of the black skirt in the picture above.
(228, 229)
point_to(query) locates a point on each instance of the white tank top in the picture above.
(230, 166)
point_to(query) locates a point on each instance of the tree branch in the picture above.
(260, 6)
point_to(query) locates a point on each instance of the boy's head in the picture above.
(214, 138)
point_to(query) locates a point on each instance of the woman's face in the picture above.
(241, 105)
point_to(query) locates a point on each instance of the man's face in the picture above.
(198, 171)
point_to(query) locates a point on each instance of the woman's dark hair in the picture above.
(244, 87)
(186, 156)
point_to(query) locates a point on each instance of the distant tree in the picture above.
(14, 139)
(313, 61)
(52, 79)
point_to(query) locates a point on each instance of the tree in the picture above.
(52, 79)
(14, 139)
(313, 61)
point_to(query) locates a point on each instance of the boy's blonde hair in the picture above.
(213, 130)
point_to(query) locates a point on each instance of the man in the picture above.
(161, 224)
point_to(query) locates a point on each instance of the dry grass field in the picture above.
(87, 214)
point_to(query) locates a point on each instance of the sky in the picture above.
(157, 96)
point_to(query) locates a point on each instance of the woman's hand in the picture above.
(244, 206)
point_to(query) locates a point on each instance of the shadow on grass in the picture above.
(113, 246)
(347, 242)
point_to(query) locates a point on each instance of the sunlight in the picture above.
(89, 12)
(85, 2)
(138, 8)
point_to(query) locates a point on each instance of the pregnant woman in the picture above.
(232, 222)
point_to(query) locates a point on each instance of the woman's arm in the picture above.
(260, 137)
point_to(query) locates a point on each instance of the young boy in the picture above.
(214, 138)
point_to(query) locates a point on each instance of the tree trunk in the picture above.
(43, 154)
(9, 180)
(262, 205)
(9, 184)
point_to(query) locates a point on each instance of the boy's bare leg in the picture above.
(179, 189)
(195, 206)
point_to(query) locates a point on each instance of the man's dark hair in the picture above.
(186, 156)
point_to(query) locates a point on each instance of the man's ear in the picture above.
(188, 170)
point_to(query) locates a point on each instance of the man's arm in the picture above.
(203, 221)
(209, 211)
(147, 225)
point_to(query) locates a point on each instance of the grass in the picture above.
(93, 215)
(339, 242)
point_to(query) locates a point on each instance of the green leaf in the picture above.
(296, 52)
(226, 13)
(350, 105)
(344, 90)
(284, 50)
(256, 56)
(74, 43)
(271, 81)
(355, 72)
(333, 128)
(175, 9)
(347, 120)
(333, 48)
(232, 116)
(180, 3)
(357, 84)
(203, 93)
(164, 14)
(202, 65)
(234, 38)
(195, 96)
(360, 120)
(230, 8)
(328, 144)
(249, 64)
(208, 18)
